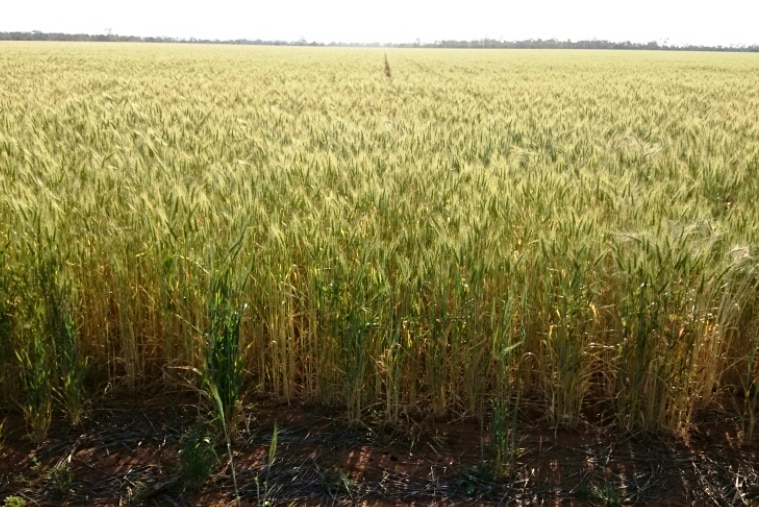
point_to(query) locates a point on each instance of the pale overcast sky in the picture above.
(729, 22)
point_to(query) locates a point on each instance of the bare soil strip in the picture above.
(127, 452)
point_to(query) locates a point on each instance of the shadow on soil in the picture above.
(157, 451)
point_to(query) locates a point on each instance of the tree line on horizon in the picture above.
(486, 43)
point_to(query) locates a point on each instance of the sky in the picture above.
(672, 22)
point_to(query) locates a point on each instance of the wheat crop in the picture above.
(576, 229)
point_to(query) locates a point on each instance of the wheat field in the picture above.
(572, 232)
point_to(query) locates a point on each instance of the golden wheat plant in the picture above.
(573, 231)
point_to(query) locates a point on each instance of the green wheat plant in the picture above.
(223, 366)
(8, 359)
(505, 423)
(59, 325)
(37, 377)
(197, 458)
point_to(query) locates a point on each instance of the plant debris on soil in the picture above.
(128, 451)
